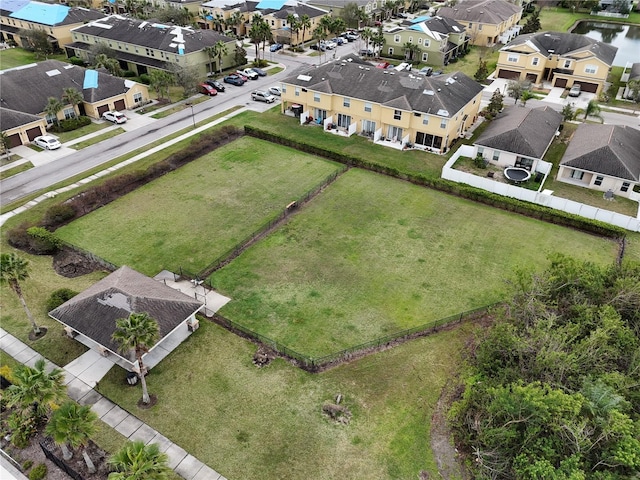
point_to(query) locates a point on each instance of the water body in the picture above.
(625, 37)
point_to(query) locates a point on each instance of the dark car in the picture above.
(233, 80)
(260, 72)
(216, 84)
(207, 89)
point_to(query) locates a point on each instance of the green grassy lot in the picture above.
(98, 139)
(81, 132)
(267, 424)
(374, 255)
(15, 170)
(190, 217)
(15, 57)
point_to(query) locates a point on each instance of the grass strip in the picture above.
(15, 170)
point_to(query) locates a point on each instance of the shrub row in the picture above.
(39, 239)
(71, 124)
(461, 190)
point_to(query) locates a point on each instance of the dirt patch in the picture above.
(35, 454)
(71, 263)
(446, 455)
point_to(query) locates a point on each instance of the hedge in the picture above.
(461, 190)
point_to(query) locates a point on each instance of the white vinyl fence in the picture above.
(557, 203)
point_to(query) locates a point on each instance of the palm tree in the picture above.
(13, 270)
(137, 461)
(410, 51)
(526, 95)
(111, 64)
(266, 35)
(337, 26)
(220, 49)
(218, 22)
(72, 425)
(211, 52)
(35, 391)
(52, 108)
(294, 26)
(592, 110)
(5, 143)
(73, 97)
(366, 35)
(138, 332)
(235, 20)
(255, 33)
(305, 24)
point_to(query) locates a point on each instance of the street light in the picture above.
(192, 115)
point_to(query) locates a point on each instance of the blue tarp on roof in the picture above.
(424, 18)
(274, 4)
(90, 79)
(13, 5)
(44, 13)
(209, 17)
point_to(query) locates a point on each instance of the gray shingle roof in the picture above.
(442, 95)
(338, 3)
(481, 11)
(522, 131)
(300, 10)
(94, 312)
(444, 25)
(126, 56)
(566, 44)
(634, 73)
(11, 119)
(48, 79)
(607, 149)
(81, 15)
(158, 36)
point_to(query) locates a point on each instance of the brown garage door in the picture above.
(531, 77)
(102, 109)
(15, 140)
(120, 105)
(510, 74)
(589, 87)
(560, 82)
(33, 133)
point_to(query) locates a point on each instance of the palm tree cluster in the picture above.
(216, 51)
(260, 33)
(70, 96)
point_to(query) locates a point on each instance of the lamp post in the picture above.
(193, 118)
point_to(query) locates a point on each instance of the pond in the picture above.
(625, 37)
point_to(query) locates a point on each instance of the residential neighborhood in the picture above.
(293, 239)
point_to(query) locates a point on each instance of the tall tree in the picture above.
(111, 64)
(305, 24)
(35, 391)
(73, 97)
(52, 108)
(366, 35)
(515, 89)
(532, 24)
(72, 425)
(353, 15)
(185, 77)
(211, 52)
(294, 28)
(13, 271)
(235, 20)
(38, 41)
(411, 50)
(483, 71)
(220, 49)
(256, 33)
(160, 81)
(137, 332)
(137, 461)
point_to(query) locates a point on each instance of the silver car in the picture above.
(261, 96)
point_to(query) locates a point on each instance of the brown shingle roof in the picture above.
(94, 311)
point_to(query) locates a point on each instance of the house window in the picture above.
(599, 180)
(425, 56)
(428, 140)
(425, 120)
(397, 39)
(480, 27)
(367, 107)
(577, 174)
(480, 150)
(427, 42)
(590, 69)
(567, 63)
(50, 119)
(316, 97)
(390, 50)
(535, 61)
(496, 155)
(69, 113)
(625, 187)
(284, 89)
(397, 115)
(137, 97)
(346, 102)
(297, 91)
(513, 58)
(443, 123)
(523, 162)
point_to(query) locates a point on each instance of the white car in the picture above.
(275, 91)
(47, 142)
(115, 117)
(328, 44)
(249, 73)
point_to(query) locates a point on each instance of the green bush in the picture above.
(38, 472)
(58, 215)
(70, 124)
(129, 74)
(58, 297)
(44, 241)
(27, 465)
(77, 61)
(144, 78)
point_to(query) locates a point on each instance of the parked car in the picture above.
(216, 84)
(366, 52)
(575, 90)
(328, 44)
(233, 80)
(241, 74)
(383, 65)
(318, 46)
(260, 72)
(436, 73)
(351, 37)
(426, 71)
(47, 142)
(275, 47)
(262, 96)
(207, 89)
(249, 73)
(115, 117)
(338, 40)
(275, 91)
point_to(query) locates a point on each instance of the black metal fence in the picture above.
(315, 364)
(47, 446)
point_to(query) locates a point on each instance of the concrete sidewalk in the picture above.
(184, 464)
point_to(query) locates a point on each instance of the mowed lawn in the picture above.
(252, 423)
(374, 255)
(190, 217)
